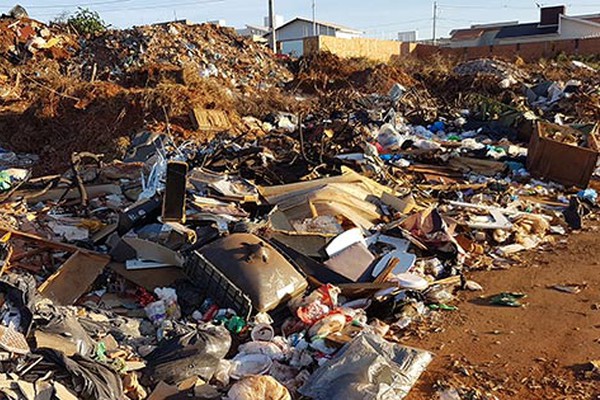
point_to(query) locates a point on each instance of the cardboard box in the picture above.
(560, 162)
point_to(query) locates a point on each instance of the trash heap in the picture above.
(54, 83)
(22, 39)
(291, 255)
(192, 51)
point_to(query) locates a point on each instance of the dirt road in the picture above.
(535, 352)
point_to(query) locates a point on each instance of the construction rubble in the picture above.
(186, 214)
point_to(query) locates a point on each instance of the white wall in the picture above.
(345, 35)
(570, 29)
(295, 30)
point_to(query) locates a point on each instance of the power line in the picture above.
(144, 8)
(100, 3)
(469, 7)
(456, 20)
(396, 23)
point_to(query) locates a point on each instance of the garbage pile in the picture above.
(500, 69)
(53, 83)
(285, 256)
(171, 272)
(23, 38)
(192, 51)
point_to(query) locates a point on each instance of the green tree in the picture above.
(87, 22)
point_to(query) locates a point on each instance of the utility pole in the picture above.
(272, 25)
(314, 12)
(435, 6)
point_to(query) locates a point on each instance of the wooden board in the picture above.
(210, 120)
(74, 277)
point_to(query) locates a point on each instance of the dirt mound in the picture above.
(326, 72)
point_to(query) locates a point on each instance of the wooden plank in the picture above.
(382, 278)
(74, 277)
(483, 167)
(355, 290)
(209, 120)
(47, 243)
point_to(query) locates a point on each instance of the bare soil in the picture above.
(539, 351)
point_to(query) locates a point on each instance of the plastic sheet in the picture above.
(368, 368)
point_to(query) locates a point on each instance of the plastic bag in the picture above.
(58, 321)
(389, 138)
(196, 353)
(92, 380)
(368, 368)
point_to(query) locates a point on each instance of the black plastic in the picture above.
(216, 285)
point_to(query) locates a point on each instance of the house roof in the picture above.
(588, 17)
(514, 29)
(466, 34)
(588, 21)
(476, 31)
(529, 29)
(257, 27)
(322, 23)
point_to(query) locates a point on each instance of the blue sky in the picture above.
(378, 18)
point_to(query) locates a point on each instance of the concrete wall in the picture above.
(378, 50)
(527, 51)
(385, 50)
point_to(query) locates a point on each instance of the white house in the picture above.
(290, 36)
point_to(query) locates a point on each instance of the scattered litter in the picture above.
(259, 227)
(572, 288)
(507, 299)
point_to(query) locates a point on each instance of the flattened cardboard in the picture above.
(74, 277)
(352, 262)
(209, 120)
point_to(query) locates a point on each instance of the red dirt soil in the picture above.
(535, 352)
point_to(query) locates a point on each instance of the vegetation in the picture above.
(84, 21)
